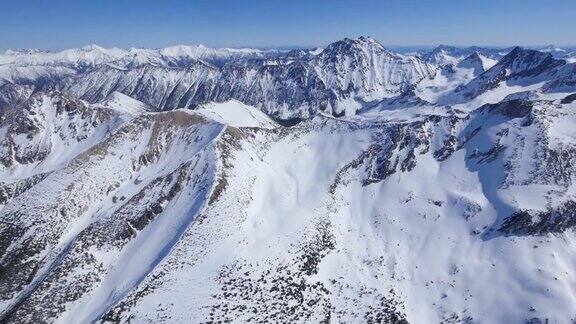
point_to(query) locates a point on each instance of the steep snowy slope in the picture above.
(125, 104)
(33, 74)
(81, 214)
(47, 130)
(365, 69)
(453, 76)
(478, 62)
(160, 87)
(380, 222)
(237, 114)
(407, 100)
(438, 216)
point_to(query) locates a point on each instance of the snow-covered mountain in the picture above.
(92, 55)
(520, 70)
(347, 73)
(346, 184)
(445, 54)
(478, 62)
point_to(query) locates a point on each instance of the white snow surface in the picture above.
(93, 54)
(237, 114)
(125, 104)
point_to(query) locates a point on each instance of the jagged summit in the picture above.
(474, 61)
(521, 67)
(478, 62)
(528, 62)
(353, 45)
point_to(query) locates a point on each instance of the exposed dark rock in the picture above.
(527, 222)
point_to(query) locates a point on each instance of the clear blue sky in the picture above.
(57, 24)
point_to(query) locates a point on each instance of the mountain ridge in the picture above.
(347, 184)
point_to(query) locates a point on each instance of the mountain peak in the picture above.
(475, 55)
(445, 48)
(519, 51)
(528, 61)
(367, 39)
(516, 50)
(93, 47)
(478, 62)
(347, 45)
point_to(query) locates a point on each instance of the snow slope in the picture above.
(101, 200)
(125, 104)
(322, 232)
(348, 184)
(237, 114)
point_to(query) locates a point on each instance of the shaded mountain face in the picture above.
(348, 184)
(477, 62)
(525, 63)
